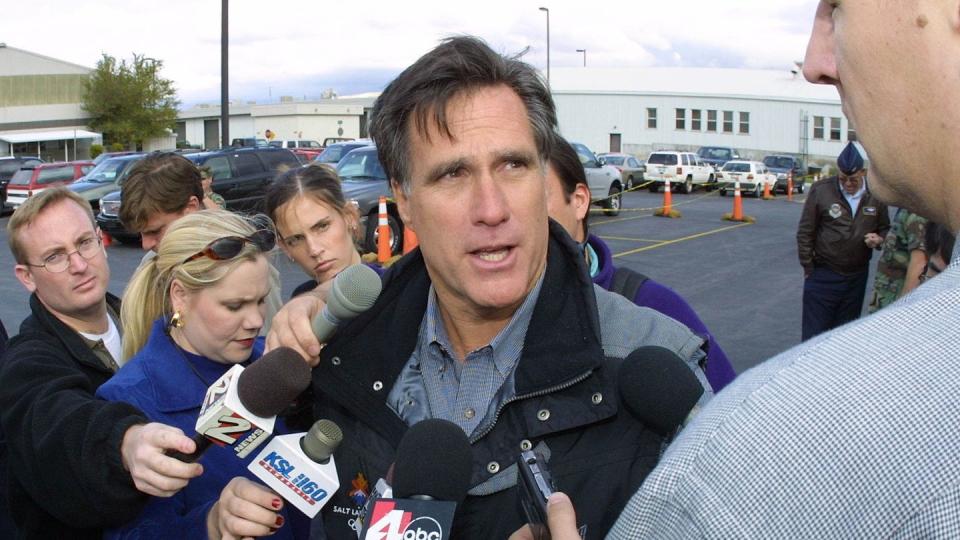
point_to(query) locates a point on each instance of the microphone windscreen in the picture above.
(658, 387)
(434, 459)
(354, 290)
(274, 381)
(322, 440)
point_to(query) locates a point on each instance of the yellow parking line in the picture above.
(618, 220)
(629, 239)
(685, 238)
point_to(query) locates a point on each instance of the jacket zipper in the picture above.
(552, 389)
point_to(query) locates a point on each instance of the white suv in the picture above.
(684, 168)
(606, 188)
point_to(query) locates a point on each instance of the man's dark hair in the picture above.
(564, 160)
(161, 182)
(939, 239)
(421, 93)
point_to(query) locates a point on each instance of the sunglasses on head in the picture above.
(229, 247)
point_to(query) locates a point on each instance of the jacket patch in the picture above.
(836, 211)
(869, 210)
(360, 491)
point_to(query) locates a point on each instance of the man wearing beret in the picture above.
(841, 223)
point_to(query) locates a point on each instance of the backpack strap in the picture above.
(627, 282)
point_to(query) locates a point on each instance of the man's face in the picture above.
(478, 204)
(78, 291)
(568, 213)
(888, 63)
(157, 224)
(851, 183)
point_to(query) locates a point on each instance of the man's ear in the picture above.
(403, 205)
(25, 276)
(193, 205)
(580, 199)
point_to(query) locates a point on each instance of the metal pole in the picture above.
(224, 77)
(584, 51)
(547, 11)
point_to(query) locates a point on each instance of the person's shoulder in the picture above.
(624, 326)
(133, 378)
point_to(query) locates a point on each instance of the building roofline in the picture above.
(45, 57)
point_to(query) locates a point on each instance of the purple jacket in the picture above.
(665, 300)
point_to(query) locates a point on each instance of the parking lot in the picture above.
(742, 279)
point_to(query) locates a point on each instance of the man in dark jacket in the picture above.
(841, 223)
(493, 323)
(74, 464)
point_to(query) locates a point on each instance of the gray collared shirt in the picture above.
(434, 384)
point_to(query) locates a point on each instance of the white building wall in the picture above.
(775, 125)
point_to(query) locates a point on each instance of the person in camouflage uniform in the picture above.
(902, 260)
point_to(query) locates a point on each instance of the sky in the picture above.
(304, 48)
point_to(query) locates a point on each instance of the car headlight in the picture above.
(109, 208)
(781, 176)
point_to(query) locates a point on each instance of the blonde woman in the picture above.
(190, 314)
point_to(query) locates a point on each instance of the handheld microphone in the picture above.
(240, 408)
(300, 467)
(658, 387)
(354, 290)
(431, 476)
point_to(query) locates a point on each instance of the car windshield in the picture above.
(736, 167)
(662, 159)
(106, 172)
(361, 165)
(22, 177)
(778, 162)
(331, 155)
(9, 167)
(613, 160)
(715, 153)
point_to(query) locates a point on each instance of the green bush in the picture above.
(95, 150)
(118, 147)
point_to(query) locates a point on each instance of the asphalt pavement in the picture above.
(743, 280)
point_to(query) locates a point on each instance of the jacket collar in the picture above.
(43, 321)
(604, 277)
(360, 364)
(175, 386)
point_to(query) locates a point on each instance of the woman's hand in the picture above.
(245, 510)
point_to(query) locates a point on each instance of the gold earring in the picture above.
(177, 320)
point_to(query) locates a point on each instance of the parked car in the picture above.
(331, 140)
(305, 149)
(332, 154)
(251, 142)
(9, 165)
(240, 175)
(631, 169)
(684, 168)
(103, 178)
(752, 175)
(364, 181)
(606, 186)
(717, 156)
(106, 155)
(781, 165)
(31, 180)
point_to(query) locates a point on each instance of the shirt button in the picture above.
(493, 467)
(335, 360)
(543, 415)
(377, 386)
(597, 398)
(525, 445)
(469, 413)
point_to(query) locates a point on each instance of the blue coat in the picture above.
(159, 381)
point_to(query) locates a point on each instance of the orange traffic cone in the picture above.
(667, 197)
(766, 191)
(790, 186)
(383, 233)
(409, 240)
(105, 239)
(737, 202)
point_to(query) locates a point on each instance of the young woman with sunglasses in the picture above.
(316, 226)
(190, 314)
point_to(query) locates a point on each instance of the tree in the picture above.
(129, 102)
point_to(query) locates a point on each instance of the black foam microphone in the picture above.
(240, 408)
(431, 475)
(659, 388)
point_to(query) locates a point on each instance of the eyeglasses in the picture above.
(851, 179)
(229, 247)
(88, 248)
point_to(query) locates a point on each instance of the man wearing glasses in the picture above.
(841, 223)
(74, 464)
